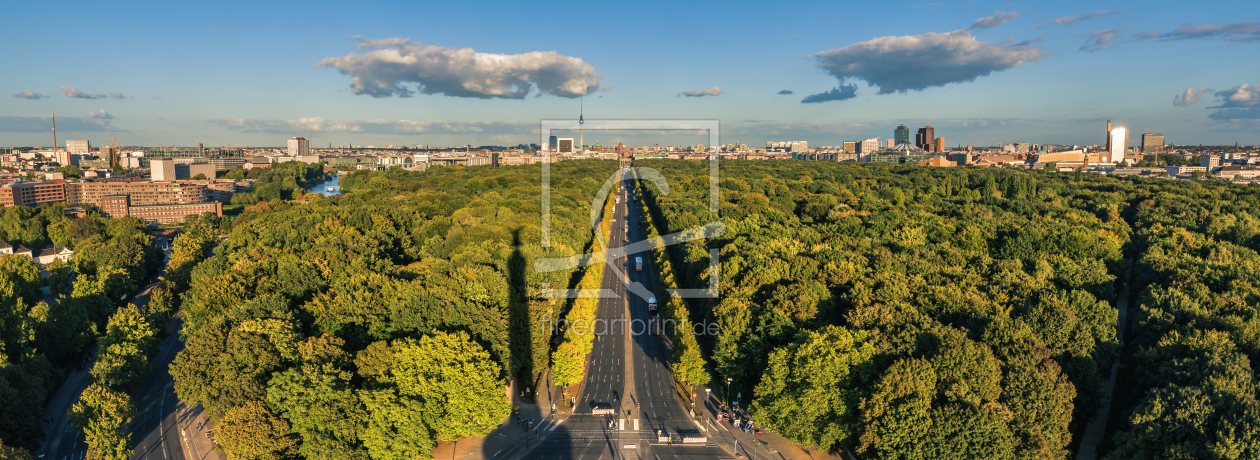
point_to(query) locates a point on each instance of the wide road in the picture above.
(154, 430)
(629, 366)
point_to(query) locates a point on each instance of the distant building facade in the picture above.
(1152, 143)
(299, 146)
(925, 138)
(79, 147)
(120, 206)
(901, 135)
(866, 147)
(1118, 144)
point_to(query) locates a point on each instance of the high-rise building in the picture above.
(1152, 143)
(79, 147)
(298, 146)
(868, 146)
(553, 143)
(1208, 161)
(1119, 143)
(901, 135)
(1108, 135)
(850, 147)
(938, 144)
(924, 138)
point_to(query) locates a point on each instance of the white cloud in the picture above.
(714, 91)
(1101, 40)
(28, 94)
(1238, 103)
(1191, 96)
(117, 95)
(70, 91)
(374, 126)
(101, 114)
(998, 18)
(1069, 20)
(1241, 32)
(784, 92)
(402, 64)
(916, 62)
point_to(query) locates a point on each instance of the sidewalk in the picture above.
(194, 441)
(506, 441)
(752, 446)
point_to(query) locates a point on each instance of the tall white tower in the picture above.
(1119, 144)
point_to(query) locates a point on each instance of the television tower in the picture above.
(54, 123)
(581, 111)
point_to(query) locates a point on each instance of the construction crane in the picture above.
(113, 151)
(310, 138)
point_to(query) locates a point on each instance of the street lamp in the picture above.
(728, 390)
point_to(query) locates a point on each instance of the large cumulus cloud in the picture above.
(1237, 103)
(401, 67)
(917, 62)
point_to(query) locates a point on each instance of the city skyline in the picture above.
(985, 72)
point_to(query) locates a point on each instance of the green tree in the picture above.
(127, 349)
(13, 453)
(460, 386)
(103, 414)
(318, 401)
(58, 277)
(71, 171)
(396, 428)
(250, 432)
(811, 389)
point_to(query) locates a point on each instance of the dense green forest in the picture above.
(279, 181)
(926, 312)
(112, 260)
(898, 312)
(374, 324)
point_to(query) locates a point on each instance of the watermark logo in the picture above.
(622, 326)
(614, 257)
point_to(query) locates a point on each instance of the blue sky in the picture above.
(245, 73)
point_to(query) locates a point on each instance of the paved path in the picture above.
(1097, 428)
